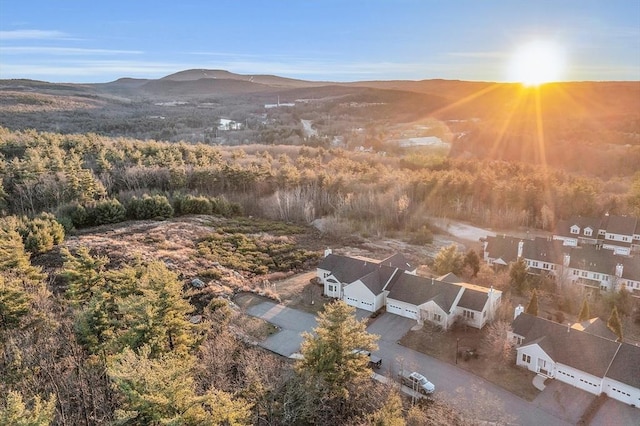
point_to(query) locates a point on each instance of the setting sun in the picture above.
(537, 63)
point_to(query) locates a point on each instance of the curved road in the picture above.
(472, 395)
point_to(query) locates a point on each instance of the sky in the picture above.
(322, 40)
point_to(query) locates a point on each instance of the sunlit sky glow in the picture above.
(333, 40)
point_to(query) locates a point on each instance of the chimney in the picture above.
(619, 269)
(568, 327)
(567, 259)
(520, 248)
(327, 252)
(518, 311)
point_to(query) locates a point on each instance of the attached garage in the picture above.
(360, 296)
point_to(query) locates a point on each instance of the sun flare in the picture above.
(537, 63)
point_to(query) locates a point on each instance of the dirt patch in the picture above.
(470, 356)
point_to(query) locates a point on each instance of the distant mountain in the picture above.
(584, 126)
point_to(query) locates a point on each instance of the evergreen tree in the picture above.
(83, 273)
(518, 276)
(14, 412)
(330, 354)
(162, 390)
(584, 311)
(614, 323)
(448, 259)
(472, 260)
(390, 414)
(532, 307)
(156, 315)
(15, 302)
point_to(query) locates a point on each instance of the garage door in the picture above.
(394, 309)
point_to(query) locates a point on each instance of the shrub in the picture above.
(106, 211)
(41, 233)
(147, 207)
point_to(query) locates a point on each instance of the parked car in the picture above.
(417, 382)
(374, 361)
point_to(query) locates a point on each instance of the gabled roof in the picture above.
(419, 290)
(625, 367)
(347, 269)
(450, 278)
(503, 247)
(544, 250)
(563, 227)
(594, 259)
(583, 351)
(473, 299)
(398, 261)
(595, 326)
(630, 268)
(377, 279)
(622, 225)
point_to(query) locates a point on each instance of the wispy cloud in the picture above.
(487, 55)
(32, 35)
(18, 50)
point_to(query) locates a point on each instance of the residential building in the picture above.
(393, 284)
(590, 266)
(584, 355)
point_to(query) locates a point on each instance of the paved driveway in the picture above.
(292, 324)
(481, 400)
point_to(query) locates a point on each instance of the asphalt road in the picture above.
(473, 396)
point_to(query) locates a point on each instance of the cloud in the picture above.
(482, 55)
(64, 51)
(32, 35)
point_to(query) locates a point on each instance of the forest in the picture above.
(104, 341)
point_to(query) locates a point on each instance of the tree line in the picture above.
(86, 180)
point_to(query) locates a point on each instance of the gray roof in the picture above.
(563, 227)
(398, 261)
(378, 278)
(347, 269)
(473, 299)
(450, 278)
(594, 259)
(544, 250)
(631, 268)
(625, 367)
(623, 225)
(584, 351)
(596, 326)
(503, 247)
(418, 290)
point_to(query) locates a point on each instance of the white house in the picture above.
(584, 356)
(360, 282)
(371, 285)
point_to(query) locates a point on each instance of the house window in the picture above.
(437, 317)
(332, 288)
(526, 358)
(575, 230)
(588, 232)
(575, 272)
(468, 314)
(584, 274)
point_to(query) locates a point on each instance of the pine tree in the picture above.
(614, 323)
(532, 307)
(15, 302)
(156, 315)
(518, 276)
(14, 412)
(584, 311)
(448, 259)
(162, 390)
(472, 260)
(84, 274)
(330, 354)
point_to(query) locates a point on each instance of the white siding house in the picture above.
(584, 355)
